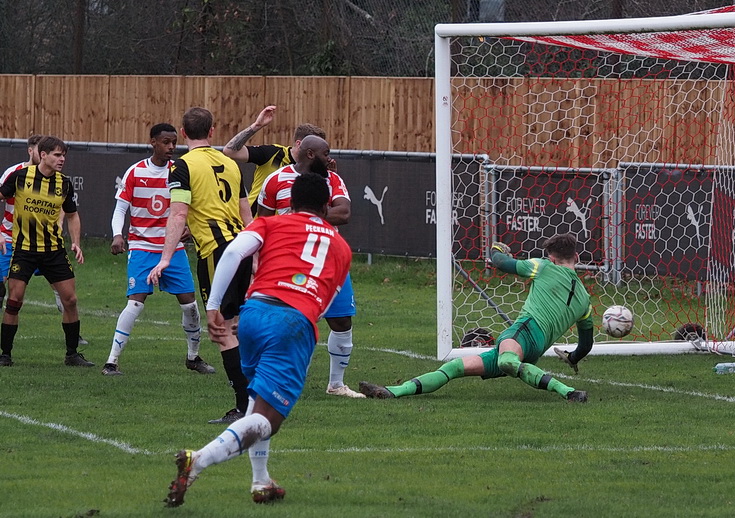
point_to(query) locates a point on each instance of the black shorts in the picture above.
(55, 265)
(235, 295)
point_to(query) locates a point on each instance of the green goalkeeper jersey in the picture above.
(557, 299)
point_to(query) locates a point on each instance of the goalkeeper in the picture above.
(557, 299)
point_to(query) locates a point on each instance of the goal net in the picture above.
(620, 131)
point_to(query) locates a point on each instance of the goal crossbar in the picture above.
(563, 28)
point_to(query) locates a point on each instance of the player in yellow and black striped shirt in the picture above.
(207, 195)
(41, 192)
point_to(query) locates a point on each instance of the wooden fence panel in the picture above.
(371, 114)
(321, 101)
(540, 121)
(72, 107)
(17, 94)
(138, 102)
(235, 102)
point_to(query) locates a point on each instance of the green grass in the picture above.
(655, 439)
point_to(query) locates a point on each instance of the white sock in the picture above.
(232, 442)
(339, 345)
(259, 455)
(192, 328)
(59, 305)
(125, 323)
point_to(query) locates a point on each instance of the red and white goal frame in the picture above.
(622, 131)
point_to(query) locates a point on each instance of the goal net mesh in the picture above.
(625, 140)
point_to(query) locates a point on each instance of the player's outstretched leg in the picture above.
(424, 384)
(511, 365)
(231, 443)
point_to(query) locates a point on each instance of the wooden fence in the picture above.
(387, 114)
(569, 122)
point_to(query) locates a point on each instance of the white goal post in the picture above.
(621, 131)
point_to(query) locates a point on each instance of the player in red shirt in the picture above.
(144, 193)
(304, 261)
(313, 156)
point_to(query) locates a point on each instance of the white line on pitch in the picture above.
(95, 312)
(164, 338)
(520, 447)
(523, 447)
(84, 435)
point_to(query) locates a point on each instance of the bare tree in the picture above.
(263, 37)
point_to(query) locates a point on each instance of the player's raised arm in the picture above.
(236, 147)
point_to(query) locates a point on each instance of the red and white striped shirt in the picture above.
(276, 192)
(145, 188)
(6, 227)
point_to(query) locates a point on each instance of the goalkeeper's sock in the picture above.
(233, 442)
(430, 381)
(511, 364)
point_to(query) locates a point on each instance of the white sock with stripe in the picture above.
(125, 323)
(339, 345)
(231, 443)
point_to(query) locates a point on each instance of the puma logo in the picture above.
(695, 220)
(370, 196)
(144, 181)
(580, 213)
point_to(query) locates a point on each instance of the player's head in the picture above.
(52, 152)
(562, 247)
(33, 141)
(163, 141)
(313, 155)
(310, 192)
(197, 123)
(304, 130)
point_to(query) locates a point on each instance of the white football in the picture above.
(617, 321)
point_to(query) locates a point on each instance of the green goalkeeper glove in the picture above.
(565, 356)
(501, 247)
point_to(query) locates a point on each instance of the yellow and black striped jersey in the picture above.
(39, 201)
(211, 184)
(268, 159)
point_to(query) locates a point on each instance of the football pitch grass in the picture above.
(655, 439)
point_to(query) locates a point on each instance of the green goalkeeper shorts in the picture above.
(528, 334)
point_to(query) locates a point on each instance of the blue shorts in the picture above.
(176, 279)
(5, 260)
(343, 304)
(276, 344)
